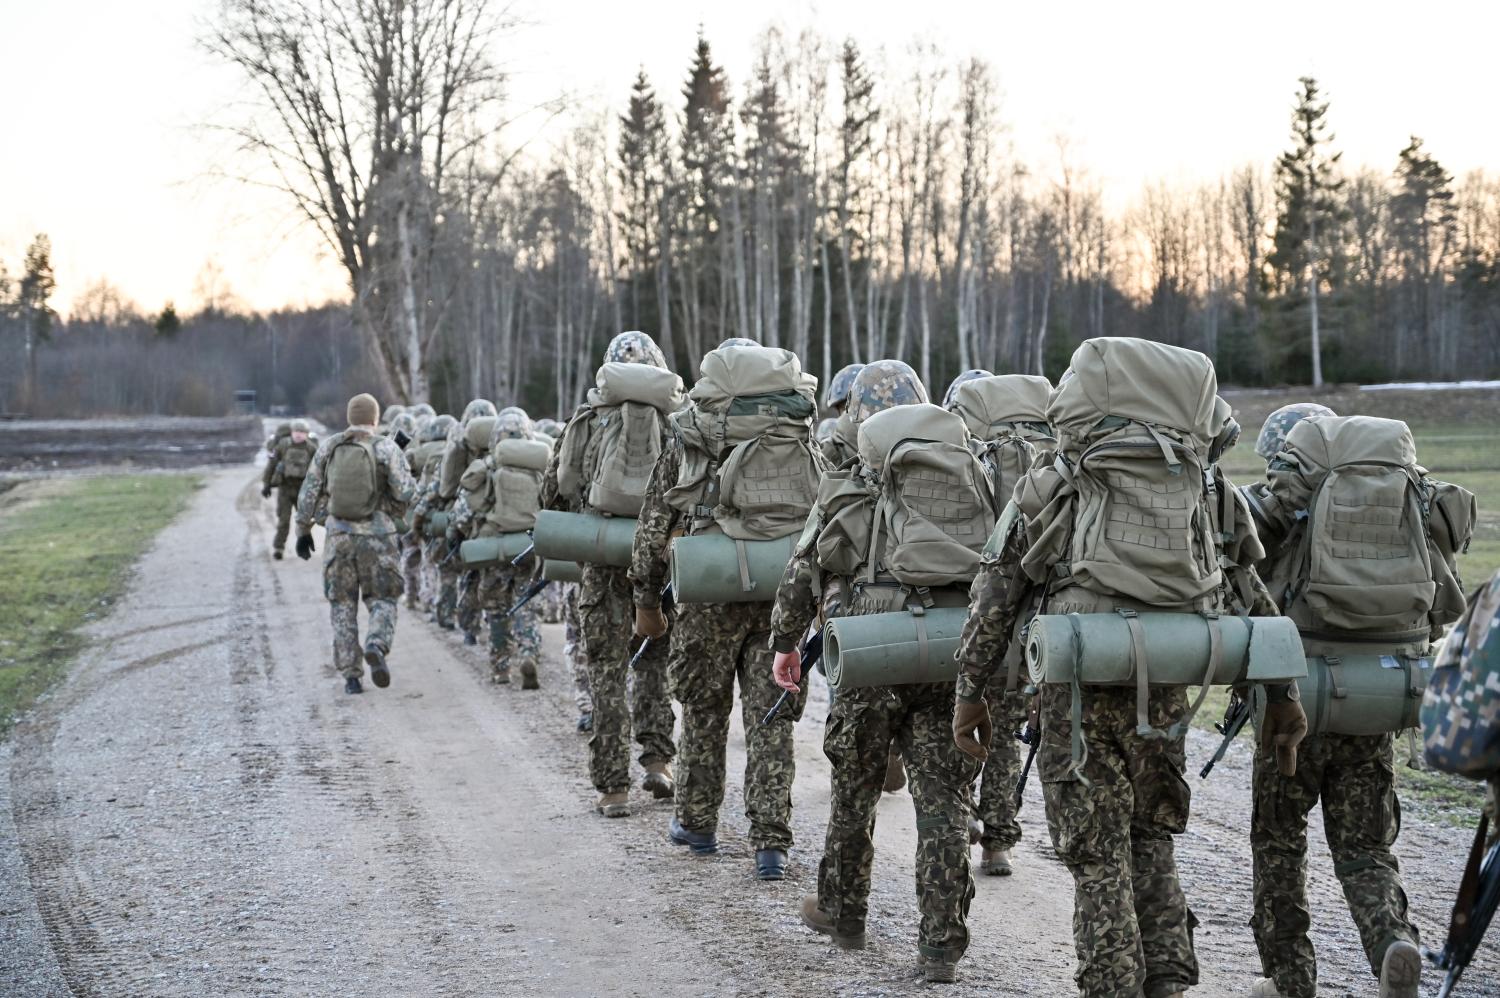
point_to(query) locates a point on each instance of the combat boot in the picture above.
(277, 554)
(658, 780)
(1401, 971)
(585, 724)
(615, 805)
(702, 843)
(501, 675)
(770, 864)
(995, 862)
(937, 970)
(380, 674)
(895, 773)
(352, 685)
(1265, 987)
(528, 676)
(471, 638)
(817, 919)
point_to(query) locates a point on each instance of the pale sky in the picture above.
(104, 101)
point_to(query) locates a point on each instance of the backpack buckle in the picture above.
(924, 593)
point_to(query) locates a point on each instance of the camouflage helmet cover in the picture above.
(738, 341)
(438, 428)
(824, 432)
(391, 412)
(839, 385)
(974, 374)
(550, 427)
(882, 385)
(511, 424)
(422, 409)
(634, 347)
(283, 429)
(477, 409)
(404, 422)
(1279, 423)
(299, 426)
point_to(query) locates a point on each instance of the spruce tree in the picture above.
(643, 178)
(1424, 228)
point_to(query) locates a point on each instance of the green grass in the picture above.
(64, 559)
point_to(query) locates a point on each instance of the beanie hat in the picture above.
(363, 410)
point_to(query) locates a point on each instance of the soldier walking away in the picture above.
(752, 476)
(1111, 765)
(424, 461)
(365, 484)
(602, 464)
(867, 518)
(1369, 600)
(839, 446)
(286, 467)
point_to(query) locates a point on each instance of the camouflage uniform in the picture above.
(574, 651)
(514, 638)
(1002, 771)
(359, 556)
(287, 487)
(712, 646)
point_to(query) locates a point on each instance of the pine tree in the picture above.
(707, 145)
(643, 178)
(855, 138)
(1309, 212)
(168, 324)
(33, 303)
(1424, 228)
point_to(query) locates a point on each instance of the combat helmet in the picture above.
(391, 412)
(881, 385)
(404, 423)
(511, 424)
(634, 347)
(299, 426)
(422, 409)
(550, 427)
(838, 386)
(825, 430)
(974, 374)
(1279, 423)
(738, 341)
(477, 409)
(438, 428)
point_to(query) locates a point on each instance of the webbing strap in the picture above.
(919, 615)
(746, 586)
(599, 541)
(874, 545)
(1143, 726)
(1215, 659)
(1336, 676)
(1174, 465)
(1080, 747)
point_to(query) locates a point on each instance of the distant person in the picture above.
(839, 447)
(363, 479)
(286, 467)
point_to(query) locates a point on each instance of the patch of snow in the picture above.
(1429, 386)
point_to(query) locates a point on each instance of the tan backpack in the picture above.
(1136, 424)
(515, 483)
(935, 509)
(296, 459)
(1007, 416)
(611, 444)
(353, 479)
(467, 444)
(748, 466)
(1370, 557)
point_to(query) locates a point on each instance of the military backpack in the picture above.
(1007, 417)
(508, 485)
(296, 459)
(612, 442)
(353, 479)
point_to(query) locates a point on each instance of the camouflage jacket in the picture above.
(797, 600)
(653, 530)
(399, 489)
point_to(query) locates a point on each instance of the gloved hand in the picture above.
(265, 491)
(1283, 729)
(787, 670)
(650, 622)
(972, 730)
(305, 547)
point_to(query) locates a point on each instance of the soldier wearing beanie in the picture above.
(363, 482)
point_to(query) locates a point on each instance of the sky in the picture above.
(110, 146)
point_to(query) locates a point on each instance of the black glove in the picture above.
(265, 491)
(305, 547)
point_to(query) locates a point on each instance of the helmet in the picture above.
(511, 424)
(838, 388)
(824, 432)
(477, 408)
(299, 426)
(738, 341)
(884, 384)
(550, 427)
(391, 412)
(283, 429)
(1279, 423)
(438, 428)
(405, 423)
(971, 375)
(634, 347)
(422, 409)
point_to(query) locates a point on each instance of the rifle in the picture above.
(529, 594)
(667, 602)
(453, 548)
(1478, 896)
(1235, 716)
(809, 654)
(1031, 736)
(516, 561)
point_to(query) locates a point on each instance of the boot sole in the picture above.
(379, 674)
(995, 871)
(615, 811)
(697, 849)
(1400, 971)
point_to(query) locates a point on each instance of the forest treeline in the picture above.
(843, 205)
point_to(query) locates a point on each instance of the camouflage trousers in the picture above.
(1132, 929)
(355, 567)
(864, 727)
(1002, 771)
(468, 602)
(439, 582)
(1353, 776)
(411, 568)
(606, 613)
(712, 646)
(549, 604)
(286, 505)
(574, 652)
(515, 639)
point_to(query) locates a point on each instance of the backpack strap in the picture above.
(1215, 659)
(1143, 726)
(1080, 745)
(739, 552)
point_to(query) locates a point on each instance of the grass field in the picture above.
(66, 547)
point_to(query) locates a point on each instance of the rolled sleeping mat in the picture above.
(716, 568)
(1097, 649)
(587, 538)
(486, 552)
(437, 524)
(562, 571)
(893, 649)
(1363, 694)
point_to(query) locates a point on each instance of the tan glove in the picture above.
(972, 729)
(650, 622)
(1283, 729)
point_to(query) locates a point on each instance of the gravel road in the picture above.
(199, 810)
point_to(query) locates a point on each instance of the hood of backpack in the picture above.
(988, 404)
(1117, 377)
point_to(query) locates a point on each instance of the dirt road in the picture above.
(200, 810)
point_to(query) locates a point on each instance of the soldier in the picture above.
(498, 495)
(456, 460)
(840, 448)
(1353, 776)
(830, 575)
(285, 469)
(1115, 803)
(713, 645)
(363, 479)
(424, 460)
(605, 610)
